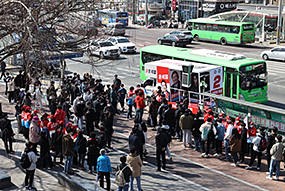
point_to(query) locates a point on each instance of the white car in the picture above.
(123, 44)
(103, 49)
(277, 53)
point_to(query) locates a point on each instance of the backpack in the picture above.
(120, 178)
(211, 135)
(130, 101)
(263, 144)
(25, 161)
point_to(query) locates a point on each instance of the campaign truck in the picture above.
(175, 76)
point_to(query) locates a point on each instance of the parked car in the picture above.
(185, 33)
(124, 45)
(114, 29)
(174, 40)
(66, 41)
(277, 53)
(88, 31)
(103, 49)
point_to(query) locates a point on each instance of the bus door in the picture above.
(230, 79)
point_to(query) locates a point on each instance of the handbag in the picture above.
(229, 149)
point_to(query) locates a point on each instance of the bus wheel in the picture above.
(223, 41)
(159, 42)
(265, 57)
(196, 37)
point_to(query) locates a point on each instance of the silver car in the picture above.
(277, 53)
(114, 29)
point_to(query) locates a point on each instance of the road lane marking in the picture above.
(170, 173)
(219, 172)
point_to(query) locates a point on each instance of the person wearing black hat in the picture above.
(30, 172)
(126, 171)
(7, 133)
(243, 134)
(93, 152)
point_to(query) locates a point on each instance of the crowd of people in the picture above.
(80, 122)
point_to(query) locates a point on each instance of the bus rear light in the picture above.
(177, 39)
(116, 20)
(240, 36)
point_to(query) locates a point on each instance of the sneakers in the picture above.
(170, 159)
(203, 154)
(248, 167)
(216, 155)
(267, 173)
(268, 177)
(257, 168)
(32, 188)
(235, 165)
(158, 169)
(183, 145)
(276, 178)
(206, 156)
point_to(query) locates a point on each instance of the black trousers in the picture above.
(108, 138)
(75, 161)
(234, 154)
(122, 103)
(253, 156)
(97, 120)
(114, 104)
(58, 151)
(35, 148)
(161, 153)
(10, 96)
(5, 140)
(29, 178)
(206, 143)
(219, 144)
(107, 176)
(81, 159)
(89, 127)
(47, 157)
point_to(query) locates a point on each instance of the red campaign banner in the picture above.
(162, 74)
(173, 5)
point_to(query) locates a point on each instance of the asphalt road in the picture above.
(127, 67)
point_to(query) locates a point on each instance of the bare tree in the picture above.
(34, 28)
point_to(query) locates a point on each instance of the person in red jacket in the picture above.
(237, 124)
(60, 115)
(51, 125)
(140, 106)
(251, 135)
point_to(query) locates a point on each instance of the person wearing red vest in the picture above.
(141, 90)
(227, 121)
(209, 114)
(51, 125)
(131, 92)
(251, 135)
(237, 124)
(140, 106)
(60, 115)
(44, 123)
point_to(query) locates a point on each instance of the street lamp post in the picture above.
(279, 24)
(146, 13)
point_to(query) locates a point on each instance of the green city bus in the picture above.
(224, 32)
(244, 78)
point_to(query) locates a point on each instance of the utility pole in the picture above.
(279, 23)
(134, 16)
(138, 7)
(146, 12)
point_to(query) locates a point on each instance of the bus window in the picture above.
(209, 27)
(215, 28)
(253, 76)
(234, 86)
(248, 27)
(190, 26)
(122, 14)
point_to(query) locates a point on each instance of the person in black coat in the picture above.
(108, 123)
(185, 100)
(270, 142)
(81, 148)
(57, 143)
(142, 138)
(135, 140)
(52, 103)
(7, 132)
(89, 118)
(65, 107)
(93, 152)
(161, 144)
(197, 133)
(243, 135)
(178, 112)
(97, 106)
(127, 172)
(169, 117)
(102, 138)
(80, 112)
(45, 150)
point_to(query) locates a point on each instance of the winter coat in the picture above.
(185, 122)
(39, 94)
(168, 116)
(67, 145)
(65, 108)
(11, 86)
(89, 117)
(178, 113)
(32, 157)
(6, 127)
(97, 107)
(80, 110)
(135, 164)
(220, 131)
(104, 164)
(205, 128)
(93, 152)
(44, 147)
(34, 135)
(161, 140)
(153, 108)
(235, 144)
(276, 151)
(243, 135)
(57, 139)
(196, 126)
(135, 141)
(81, 145)
(114, 96)
(139, 102)
(256, 142)
(270, 142)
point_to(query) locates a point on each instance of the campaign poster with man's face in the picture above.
(163, 80)
(175, 85)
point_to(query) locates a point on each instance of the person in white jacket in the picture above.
(227, 139)
(39, 96)
(30, 172)
(10, 89)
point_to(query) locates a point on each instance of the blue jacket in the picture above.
(104, 164)
(220, 131)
